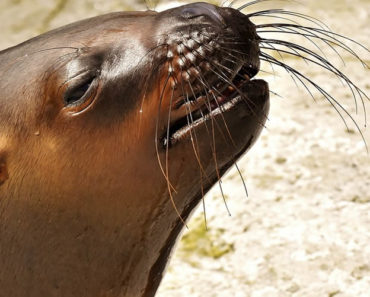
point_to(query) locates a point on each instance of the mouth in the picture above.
(211, 102)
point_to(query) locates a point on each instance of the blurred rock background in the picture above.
(304, 229)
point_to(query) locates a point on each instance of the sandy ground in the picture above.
(304, 229)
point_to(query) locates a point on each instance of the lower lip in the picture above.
(179, 134)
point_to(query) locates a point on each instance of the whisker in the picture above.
(260, 1)
(318, 30)
(327, 39)
(156, 133)
(217, 170)
(185, 94)
(166, 160)
(322, 62)
(328, 97)
(242, 178)
(271, 12)
(308, 37)
(190, 116)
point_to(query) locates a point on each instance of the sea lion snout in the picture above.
(205, 40)
(211, 54)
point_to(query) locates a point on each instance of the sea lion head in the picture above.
(93, 91)
(112, 128)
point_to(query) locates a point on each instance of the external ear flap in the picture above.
(3, 169)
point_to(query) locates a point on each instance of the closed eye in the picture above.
(76, 92)
(81, 91)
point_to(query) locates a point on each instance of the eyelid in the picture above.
(75, 95)
(76, 82)
(80, 75)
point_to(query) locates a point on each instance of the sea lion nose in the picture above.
(202, 9)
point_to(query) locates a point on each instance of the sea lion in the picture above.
(110, 137)
(113, 138)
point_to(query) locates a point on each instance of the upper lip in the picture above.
(200, 102)
(222, 90)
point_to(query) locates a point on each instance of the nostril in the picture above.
(253, 72)
(250, 70)
(202, 9)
